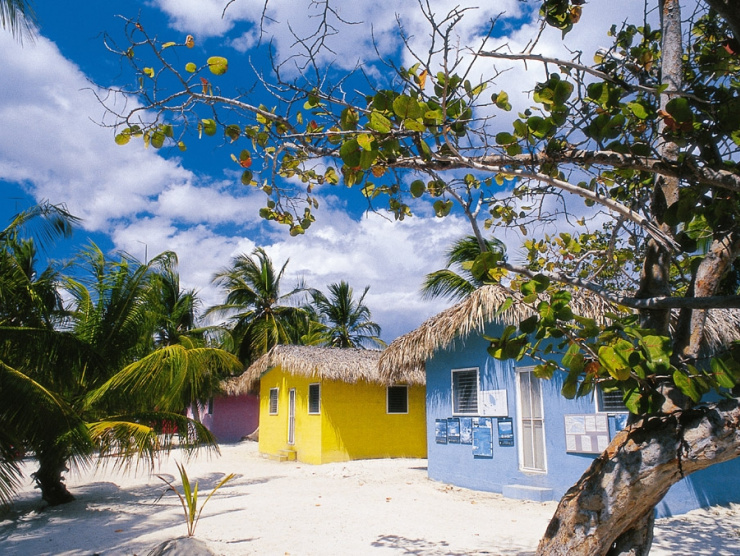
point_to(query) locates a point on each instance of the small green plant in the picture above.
(189, 497)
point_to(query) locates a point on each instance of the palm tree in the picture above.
(18, 17)
(347, 320)
(260, 313)
(29, 301)
(460, 283)
(89, 378)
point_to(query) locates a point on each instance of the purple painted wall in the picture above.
(233, 417)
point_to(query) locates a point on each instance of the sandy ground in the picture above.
(273, 508)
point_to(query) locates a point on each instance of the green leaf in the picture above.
(349, 152)
(574, 359)
(527, 326)
(484, 263)
(616, 359)
(247, 177)
(414, 125)
(442, 208)
(505, 138)
(379, 123)
(502, 101)
(218, 65)
(190, 67)
(349, 119)
(366, 141)
(686, 385)
(406, 107)
(157, 139)
(417, 188)
(208, 126)
(658, 351)
(168, 44)
(680, 109)
(633, 400)
(232, 131)
(723, 373)
(638, 110)
(123, 137)
(331, 176)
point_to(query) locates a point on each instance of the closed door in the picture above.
(531, 422)
(291, 416)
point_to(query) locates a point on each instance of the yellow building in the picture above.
(321, 405)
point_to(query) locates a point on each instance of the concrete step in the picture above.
(282, 455)
(524, 492)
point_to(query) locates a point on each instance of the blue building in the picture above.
(493, 426)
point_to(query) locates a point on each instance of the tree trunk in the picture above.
(609, 510)
(48, 478)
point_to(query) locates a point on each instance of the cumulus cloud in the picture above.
(149, 203)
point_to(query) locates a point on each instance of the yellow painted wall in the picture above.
(352, 424)
(273, 435)
(357, 426)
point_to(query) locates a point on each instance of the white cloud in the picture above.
(51, 141)
(148, 203)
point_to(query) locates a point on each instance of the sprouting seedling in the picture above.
(189, 497)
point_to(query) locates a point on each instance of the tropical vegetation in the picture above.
(619, 176)
(83, 368)
(346, 320)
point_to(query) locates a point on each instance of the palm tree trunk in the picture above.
(48, 478)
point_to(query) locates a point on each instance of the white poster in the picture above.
(493, 403)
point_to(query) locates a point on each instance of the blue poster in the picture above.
(453, 430)
(482, 437)
(505, 431)
(466, 430)
(440, 431)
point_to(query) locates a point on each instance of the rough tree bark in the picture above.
(623, 485)
(49, 477)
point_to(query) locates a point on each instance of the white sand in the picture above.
(272, 508)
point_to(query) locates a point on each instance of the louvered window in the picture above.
(610, 402)
(465, 392)
(398, 399)
(314, 393)
(273, 401)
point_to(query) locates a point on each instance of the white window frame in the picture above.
(308, 404)
(477, 390)
(521, 422)
(387, 399)
(277, 401)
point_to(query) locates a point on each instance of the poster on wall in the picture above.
(482, 437)
(505, 431)
(440, 431)
(586, 434)
(493, 403)
(453, 430)
(466, 430)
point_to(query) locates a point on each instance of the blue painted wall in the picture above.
(455, 464)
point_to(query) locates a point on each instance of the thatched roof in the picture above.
(404, 359)
(345, 364)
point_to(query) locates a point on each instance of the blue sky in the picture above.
(145, 201)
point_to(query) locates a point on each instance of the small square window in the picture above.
(398, 399)
(465, 392)
(273, 401)
(314, 393)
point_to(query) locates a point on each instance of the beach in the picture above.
(290, 508)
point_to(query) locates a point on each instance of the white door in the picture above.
(531, 423)
(291, 416)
